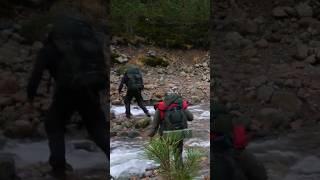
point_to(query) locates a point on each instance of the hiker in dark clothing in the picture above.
(74, 58)
(230, 158)
(171, 115)
(134, 82)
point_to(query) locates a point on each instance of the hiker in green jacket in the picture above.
(134, 82)
(171, 114)
(231, 160)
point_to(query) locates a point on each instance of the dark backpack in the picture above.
(175, 118)
(82, 62)
(135, 82)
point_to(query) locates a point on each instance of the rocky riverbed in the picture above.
(127, 158)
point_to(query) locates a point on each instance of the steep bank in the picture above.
(266, 66)
(266, 61)
(185, 70)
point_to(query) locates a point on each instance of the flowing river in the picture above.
(127, 159)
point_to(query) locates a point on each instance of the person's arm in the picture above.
(38, 69)
(123, 80)
(142, 83)
(155, 124)
(189, 115)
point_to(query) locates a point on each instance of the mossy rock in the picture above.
(154, 61)
(127, 124)
(143, 123)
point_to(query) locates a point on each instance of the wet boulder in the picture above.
(133, 134)
(143, 123)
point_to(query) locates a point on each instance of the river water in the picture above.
(127, 159)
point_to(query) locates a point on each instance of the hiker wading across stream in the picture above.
(230, 158)
(75, 59)
(132, 78)
(171, 115)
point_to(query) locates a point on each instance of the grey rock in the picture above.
(122, 58)
(279, 12)
(258, 81)
(250, 52)
(304, 10)
(133, 134)
(264, 93)
(5, 101)
(234, 39)
(262, 43)
(274, 117)
(287, 101)
(302, 51)
(311, 59)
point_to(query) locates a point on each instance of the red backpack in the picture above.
(162, 107)
(240, 138)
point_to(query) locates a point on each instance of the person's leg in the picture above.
(95, 122)
(140, 103)
(180, 151)
(127, 102)
(55, 128)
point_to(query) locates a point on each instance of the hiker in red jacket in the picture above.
(171, 114)
(231, 135)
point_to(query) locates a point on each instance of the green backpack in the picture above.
(135, 82)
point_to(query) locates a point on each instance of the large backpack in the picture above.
(81, 62)
(172, 115)
(135, 82)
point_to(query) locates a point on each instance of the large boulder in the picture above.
(264, 93)
(143, 123)
(304, 10)
(280, 12)
(234, 39)
(301, 51)
(286, 101)
(274, 118)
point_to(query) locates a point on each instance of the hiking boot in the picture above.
(61, 173)
(128, 116)
(148, 114)
(69, 167)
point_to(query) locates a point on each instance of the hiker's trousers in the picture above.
(64, 104)
(128, 98)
